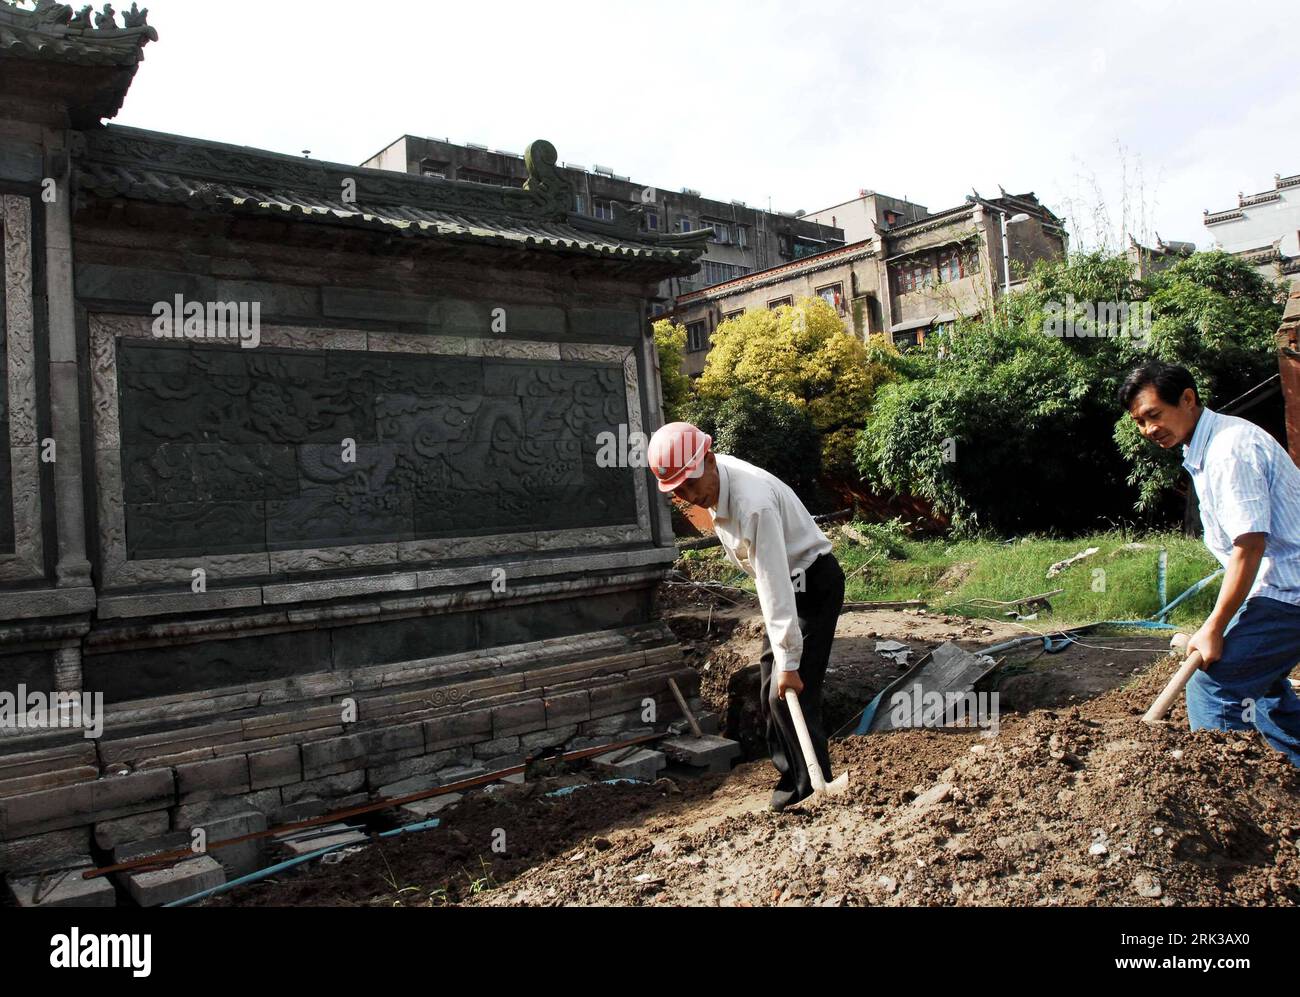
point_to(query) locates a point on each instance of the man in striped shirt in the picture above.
(1249, 494)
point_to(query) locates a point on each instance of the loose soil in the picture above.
(1072, 802)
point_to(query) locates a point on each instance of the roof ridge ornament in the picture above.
(51, 14)
(544, 180)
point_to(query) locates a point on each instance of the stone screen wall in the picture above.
(228, 450)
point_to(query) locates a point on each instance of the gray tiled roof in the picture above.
(152, 166)
(46, 35)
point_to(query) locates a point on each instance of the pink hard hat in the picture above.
(676, 452)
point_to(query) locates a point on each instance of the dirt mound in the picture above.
(1072, 801)
(1085, 806)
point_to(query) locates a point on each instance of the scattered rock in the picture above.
(1147, 885)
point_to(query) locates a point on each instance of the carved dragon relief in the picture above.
(530, 495)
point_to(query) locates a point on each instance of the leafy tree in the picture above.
(769, 432)
(802, 355)
(1032, 419)
(670, 340)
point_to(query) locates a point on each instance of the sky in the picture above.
(1142, 110)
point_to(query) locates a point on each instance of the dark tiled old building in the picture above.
(384, 490)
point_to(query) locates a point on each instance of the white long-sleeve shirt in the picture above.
(768, 534)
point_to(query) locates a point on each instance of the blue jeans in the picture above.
(1248, 687)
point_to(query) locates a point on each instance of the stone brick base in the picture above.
(179, 762)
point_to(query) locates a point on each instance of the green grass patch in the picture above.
(892, 567)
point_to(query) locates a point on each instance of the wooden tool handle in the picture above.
(1165, 701)
(805, 742)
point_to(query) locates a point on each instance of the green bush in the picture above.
(765, 431)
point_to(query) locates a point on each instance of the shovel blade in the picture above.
(833, 788)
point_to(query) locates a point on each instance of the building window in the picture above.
(479, 176)
(954, 265)
(833, 295)
(907, 340)
(683, 224)
(913, 275)
(778, 302)
(602, 209)
(712, 272)
(721, 233)
(696, 337)
(728, 316)
(650, 220)
(742, 236)
(579, 204)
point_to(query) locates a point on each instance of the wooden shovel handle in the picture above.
(1165, 701)
(805, 742)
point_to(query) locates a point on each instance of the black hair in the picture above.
(1169, 379)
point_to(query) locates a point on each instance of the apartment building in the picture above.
(745, 238)
(910, 280)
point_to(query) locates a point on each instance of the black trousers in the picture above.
(819, 608)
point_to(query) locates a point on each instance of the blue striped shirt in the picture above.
(1246, 483)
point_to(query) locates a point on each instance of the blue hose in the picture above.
(253, 877)
(1066, 637)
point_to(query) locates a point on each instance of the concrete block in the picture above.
(616, 724)
(498, 747)
(208, 780)
(275, 767)
(132, 850)
(568, 708)
(708, 723)
(642, 764)
(382, 775)
(458, 773)
(424, 809)
(550, 738)
(712, 753)
(405, 787)
(325, 836)
(518, 718)
(44, 851)
(328, 788)
(198, 814)
(137, 792)
(245, 857)
(111, 833)
(62, 888)
(160, 886)
(400, 741)
(458, 729)
(333, 756)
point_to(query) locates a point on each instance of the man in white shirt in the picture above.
(767, 532)
(1249, 494)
